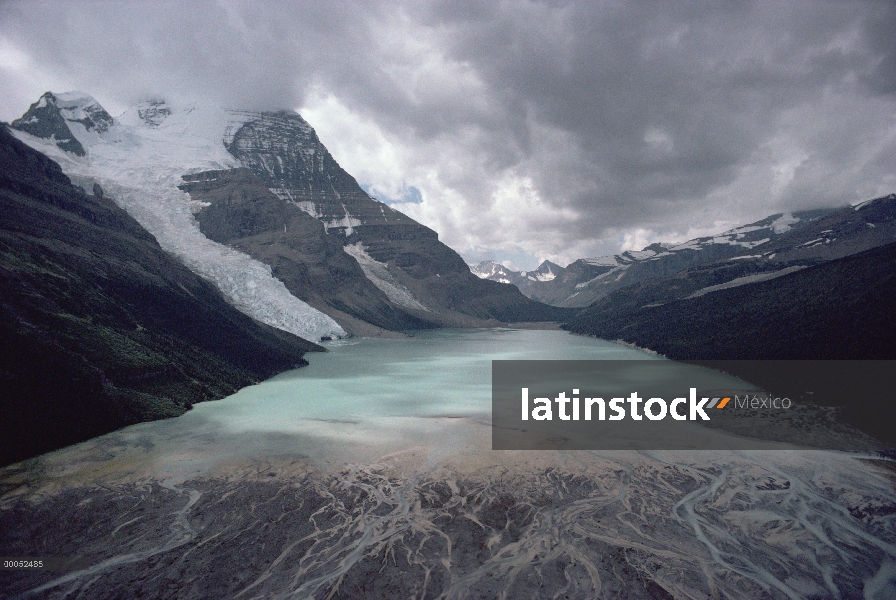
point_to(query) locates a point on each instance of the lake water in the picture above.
(385, 395)
(370, 473)
(380, 383)
(364, 397)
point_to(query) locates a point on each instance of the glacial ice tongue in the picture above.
(139, 163)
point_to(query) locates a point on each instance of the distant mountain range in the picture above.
(768, 248)
(837, 309)
(809, 285)
(546, 271)
(822, 290)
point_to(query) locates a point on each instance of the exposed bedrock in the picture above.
(288, 158)
(246, 215)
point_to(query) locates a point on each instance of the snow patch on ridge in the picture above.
(601, 261)
(745, 280)
(619, 269)
(378, 273)
(782, 224)
(347, 223)
(308, 207)
(549, 276)
(638, 254)
(481, 272)
(139, 164)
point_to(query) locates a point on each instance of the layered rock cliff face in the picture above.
(296, 245)
(101, 328)
(419, 275)
(240, 211)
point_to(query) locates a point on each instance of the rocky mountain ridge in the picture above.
(403, 259)
(487, 269)
(767, 248)
(838, 309)
(241, 212)
(101, 327)
(151, 159)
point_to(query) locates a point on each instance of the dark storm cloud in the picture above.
(710, 84)
(659, 116)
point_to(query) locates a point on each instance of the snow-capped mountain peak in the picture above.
(78, 107)
(546, 271)
(139, 161)
(182, 169)
(488, 269)
(71, 120)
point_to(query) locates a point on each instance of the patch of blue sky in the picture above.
(408, 194)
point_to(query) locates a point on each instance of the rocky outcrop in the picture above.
(330, 247)
(237, 209)
(101, 327)
(420, 277)
(153, 112)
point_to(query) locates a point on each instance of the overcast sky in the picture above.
(529, 130)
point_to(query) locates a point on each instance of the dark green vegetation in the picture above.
(672, 271)
(780, 334)
(838, 309)
(100, 327)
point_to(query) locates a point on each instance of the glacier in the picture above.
(139, 160)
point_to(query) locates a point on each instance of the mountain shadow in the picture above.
(101, 328)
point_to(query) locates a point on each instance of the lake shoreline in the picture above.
(327, 480)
